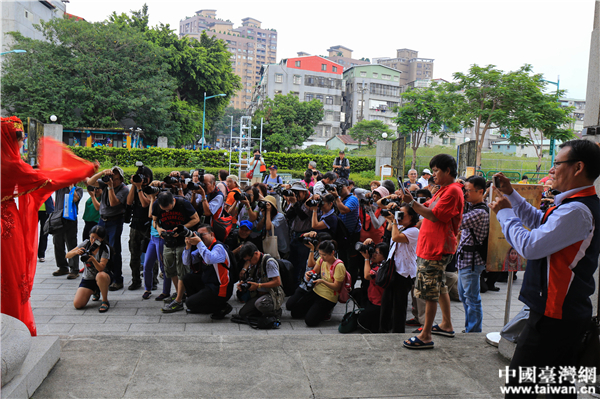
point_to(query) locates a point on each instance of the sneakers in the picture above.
(147, 295)
(171, 298)
(60, 272)
(72, 276)
(115, 286)
(136, 285)
(41, 260)
(173, 307)
(220, 315)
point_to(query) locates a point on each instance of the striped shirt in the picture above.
(479, 221)
(351, 219)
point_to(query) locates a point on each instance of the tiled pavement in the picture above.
(129, 314)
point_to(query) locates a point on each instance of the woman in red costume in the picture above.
(58, 168)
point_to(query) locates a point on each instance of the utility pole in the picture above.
(362, 102)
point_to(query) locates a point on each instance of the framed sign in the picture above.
(501, 256)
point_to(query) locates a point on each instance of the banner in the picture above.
(501, 256)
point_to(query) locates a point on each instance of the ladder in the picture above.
(245, 144)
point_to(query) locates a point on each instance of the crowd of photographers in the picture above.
(313, 241)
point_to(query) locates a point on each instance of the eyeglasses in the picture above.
(567, 161)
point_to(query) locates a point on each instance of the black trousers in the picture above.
(201, 298)
(43, 243)
(369, 317)
(547, 342)
(309, 306)
(394, 303)
(352, 259)
(67, 236)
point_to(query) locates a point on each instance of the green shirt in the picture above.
(90, 214)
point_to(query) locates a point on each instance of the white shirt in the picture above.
(405, 254)
(424, 182)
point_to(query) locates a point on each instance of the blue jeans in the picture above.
(114, 229)
(468, 292)
(154, 253)
(298, 256)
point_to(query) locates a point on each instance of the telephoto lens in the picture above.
(151, 190)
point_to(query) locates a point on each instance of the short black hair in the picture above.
(209, 229)
(525, 177)
(329, 198)
(477, 181)
(330, 176)
(328, 246)
(148, 173)
(431, 180)
(383, 248)
(247, 249)
(414, 216)
(185, 174)
(389, 185)
(100, 231)
(223, 174)
(164, 198)
(587, 152)
(426, 193)
(444, 162)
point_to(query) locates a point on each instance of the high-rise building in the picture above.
(370, 92)
(308, 78)
(250, 46)
(343, 56)
(408, 62)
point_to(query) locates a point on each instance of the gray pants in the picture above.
(66, 236)
(259, 306)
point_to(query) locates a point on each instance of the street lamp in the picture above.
(13, 51)
(204, 113)
(557, 83)
(53, 118)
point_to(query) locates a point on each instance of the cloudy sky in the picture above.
(553, 36)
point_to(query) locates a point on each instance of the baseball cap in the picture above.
(299, 186)
(246, 223)
(426, 171)
(342, 181)
(234, 178)
(273, 167)
(119, 170)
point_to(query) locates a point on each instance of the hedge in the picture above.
(187, 159)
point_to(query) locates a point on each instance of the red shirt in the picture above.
(438, 239)
(374, 291)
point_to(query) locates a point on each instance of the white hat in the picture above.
(426, 171)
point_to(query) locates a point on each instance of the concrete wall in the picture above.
(592, 106)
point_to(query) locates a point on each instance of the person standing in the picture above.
(91, 213)
(45, 211)
(562, 251)
(112, 210)
(272, 178)
(412, 179)
(254, 167)
(67, 235)
(341, 165)
(436, 246)
(470, 262)
(424, 179)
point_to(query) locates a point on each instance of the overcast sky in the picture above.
(553, 36)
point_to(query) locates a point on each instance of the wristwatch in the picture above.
(411, 203)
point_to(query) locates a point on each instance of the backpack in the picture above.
(221, 223)
(480, 248)
(234, 271)
(286, 273)
(342, 234)
(344, 293)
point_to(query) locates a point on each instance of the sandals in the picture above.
(104, 307)
(416, 343)
(96, 296)
(147, 295)
(438, 331)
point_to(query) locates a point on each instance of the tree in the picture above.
(423, 110)
(537, 115)
(90, 74)
(287, 122)
(223, 123)
(370, 132)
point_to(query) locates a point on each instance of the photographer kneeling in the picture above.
(317, 304)
(95, 253)
(260, 276)
(374, 256)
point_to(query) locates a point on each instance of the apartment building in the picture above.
(343, 56)
(308, 78)
(370, 92)
(408, 62)
(250, 46)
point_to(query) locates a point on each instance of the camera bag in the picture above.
(54, 222)
(349, 321)
(386, 270)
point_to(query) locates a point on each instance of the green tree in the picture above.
(223, 123)
(491, 99)
(425, 110)
(370, 132)
(90, 74)
(287, 122)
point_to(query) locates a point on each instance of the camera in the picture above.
(183, 231)
(310, 283)
(314, 202)
(335, 186)
(193, 186)
(360, 247)
(262, 205)
(245, 284)
(386, 201)
(385, 212)
(88, 253)
(151, 190)
(139, 174)
(421, 200)
(91, 188)
(170, 239)
(106, 178)
(239, 196)
(310, 240)
(170, 180)
(366, 201)
(399, 215)
(257, 157)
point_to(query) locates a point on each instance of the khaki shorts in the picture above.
(173, 260)
(431, 278)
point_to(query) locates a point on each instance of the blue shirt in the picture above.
(351, 219)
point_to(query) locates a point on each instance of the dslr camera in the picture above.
(366, 201)
(183, 231)
(106, 178)
(310, 240)
(360, 247)
(88, 253)
(334, 186)
(314, 202)
(262, 205)
(310, 283)
(244, 285)
(139, 174)
(170, 180)
(240, 196)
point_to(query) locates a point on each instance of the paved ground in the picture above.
(129, 314)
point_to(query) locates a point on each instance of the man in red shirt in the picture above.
(435, 247)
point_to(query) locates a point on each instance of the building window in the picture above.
(297, 63)
(375, 75)
(308, 97)
(452, 141)
(323, 67)
(445, 141)
(297, 79)
(419, 65)
(278, 78)
(396, 78)
(319, 97)
(363, 74)
(295, 93)
(386, 77)
(329, 100)
(334, 69)
(429, 139)
(329, 116)
(277, 92)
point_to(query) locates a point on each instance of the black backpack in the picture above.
(286, 273)
(480, 248)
